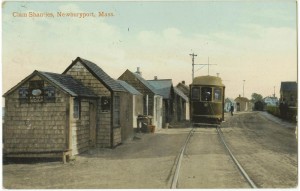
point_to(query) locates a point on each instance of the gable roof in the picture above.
(184, 88)
(243, 99)
(65, 82)
(288, 86)
(229, 100)
(143, 81)
(129, 88)
(98, 73)
(163, 86)
(181, 94)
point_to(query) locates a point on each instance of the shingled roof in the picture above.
(129, 88)
(98, 73)
(144, 82)
(181, 94)
(163, 86)
(65, 82)
(69, 84)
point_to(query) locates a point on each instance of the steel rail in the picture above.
(179, 159)
(241, 169)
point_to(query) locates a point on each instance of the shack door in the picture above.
(93, 123)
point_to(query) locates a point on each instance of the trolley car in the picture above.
(207, 100)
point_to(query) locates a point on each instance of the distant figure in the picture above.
(231, 110)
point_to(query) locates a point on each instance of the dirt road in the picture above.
(266, 149)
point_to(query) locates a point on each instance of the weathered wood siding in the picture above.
(78, 71)
(126, 112)
(81, 129)
(35, 127)
(138, 85)
(137, 108)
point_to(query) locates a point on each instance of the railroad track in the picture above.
(221, 136)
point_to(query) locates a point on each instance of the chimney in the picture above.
(155, 77)
(138, 71)
(183, 82)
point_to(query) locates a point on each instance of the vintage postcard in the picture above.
(149, 94)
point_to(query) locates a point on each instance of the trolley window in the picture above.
(206, 94)
(195, 93)
(217, 94)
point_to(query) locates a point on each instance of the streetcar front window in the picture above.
(206, 94)
(195, 93)
(217, 94)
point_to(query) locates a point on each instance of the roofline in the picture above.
(18, 84)
(132, 73)
(160, 80)
(36, 72)
(91, 71)
(40, 74)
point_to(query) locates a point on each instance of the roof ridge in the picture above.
(101, 75)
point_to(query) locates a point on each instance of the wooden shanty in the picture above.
(165, 88)
(181, 105)
(136, 102)
(152, 99)
(243, 104)
(113, 124)
(183, 88)
(48, 115)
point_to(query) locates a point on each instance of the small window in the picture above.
(196, 93)
(105, 104)
(217, 94)
(206, 94)
(76, 108)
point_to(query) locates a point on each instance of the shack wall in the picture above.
(138, 85)
(35, 127)
(103, 127)
(81, 128)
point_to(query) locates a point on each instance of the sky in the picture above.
(251, 44)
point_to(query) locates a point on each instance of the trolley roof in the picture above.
(208, 80)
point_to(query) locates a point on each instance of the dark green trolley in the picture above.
(207, 100)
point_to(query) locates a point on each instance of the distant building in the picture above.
(136, 102)
(243, 104)
(183, 88)
(271, 101)
(165, 88)
(182, 105)
(289, 93)
(152, 99)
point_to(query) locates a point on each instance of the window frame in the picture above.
(198, 96)
(202, 95)
(76, 108)
(221, 94)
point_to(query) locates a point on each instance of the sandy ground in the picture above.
(266, 149)
(144, 162)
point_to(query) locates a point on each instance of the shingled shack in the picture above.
(49, 114)
(42, 117)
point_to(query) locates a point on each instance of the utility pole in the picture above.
(274, 92)
(193, 64)
(243, 88)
